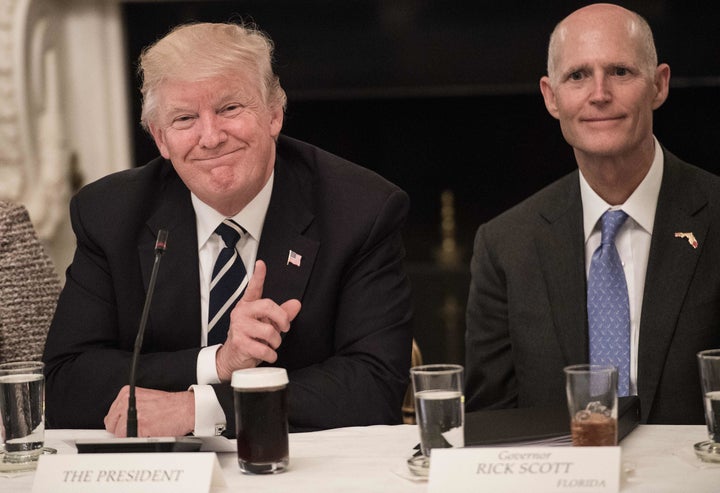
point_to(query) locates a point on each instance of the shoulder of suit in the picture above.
(690, 177)
(553, 198)
(148, 176)
(326, 168)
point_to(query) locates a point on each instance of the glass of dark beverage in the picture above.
(709, 365)
(261, 419)
(592, 403)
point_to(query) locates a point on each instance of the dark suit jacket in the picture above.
(347, 352)
(527, 315)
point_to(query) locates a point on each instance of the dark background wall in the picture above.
(443, 95)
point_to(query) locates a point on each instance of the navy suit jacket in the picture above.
(527, 314)
(347, 352)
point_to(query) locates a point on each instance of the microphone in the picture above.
(160, 247)
(132, 443)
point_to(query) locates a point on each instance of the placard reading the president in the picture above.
(536, 469)
(191, 472)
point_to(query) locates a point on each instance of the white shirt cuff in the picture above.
(209, 415)
(206, 368)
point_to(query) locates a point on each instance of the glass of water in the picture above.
(709, 363)
(439, 408)
(22, 411)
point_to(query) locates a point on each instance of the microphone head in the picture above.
(161, 242)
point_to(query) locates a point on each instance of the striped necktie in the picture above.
(229, 279)
(608, 305)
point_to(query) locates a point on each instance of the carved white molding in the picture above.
(34, 153)
(63, 104)
(96, 79)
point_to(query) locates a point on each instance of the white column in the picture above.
(63, 107)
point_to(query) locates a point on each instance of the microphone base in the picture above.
(139, 445)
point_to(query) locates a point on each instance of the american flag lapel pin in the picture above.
(294, 258)
(690, 238)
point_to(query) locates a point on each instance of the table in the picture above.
(660, 458)
(656, 458)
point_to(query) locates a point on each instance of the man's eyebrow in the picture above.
(587, 67)
(575, 68)
(177, 109)
(190, 108)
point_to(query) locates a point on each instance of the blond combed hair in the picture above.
(198, 51)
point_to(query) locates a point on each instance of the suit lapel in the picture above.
(287, 219)
(671, 263)
(560, 247)
(177, 290)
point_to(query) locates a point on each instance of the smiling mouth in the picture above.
(215, 157)
(602, 119)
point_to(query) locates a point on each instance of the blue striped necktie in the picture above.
(608, 305)
(229, 279)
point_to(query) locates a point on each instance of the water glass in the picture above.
(439, 406)
(22, 410)
(709, 365)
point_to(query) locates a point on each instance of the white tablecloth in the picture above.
(372, 459)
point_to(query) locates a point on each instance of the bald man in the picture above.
(527, 314)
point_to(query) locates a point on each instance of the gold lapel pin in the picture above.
(690, 238)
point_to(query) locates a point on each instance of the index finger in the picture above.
(254, 288)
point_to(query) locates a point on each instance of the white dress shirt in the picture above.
(632, 241)
(209, 416)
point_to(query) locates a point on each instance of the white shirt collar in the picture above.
(640, 206)
(251, 217)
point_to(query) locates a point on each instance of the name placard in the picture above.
(536, 469)
(128, 473)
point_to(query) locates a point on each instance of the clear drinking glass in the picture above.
(439, 409)
(592, 404)
(709, 365)
(22, 411)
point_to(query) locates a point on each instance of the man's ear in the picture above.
(277, 116)
(662, 84)
(159, 137)
(549, 96)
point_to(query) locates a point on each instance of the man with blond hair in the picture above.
(612, 264)
(305, 246)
